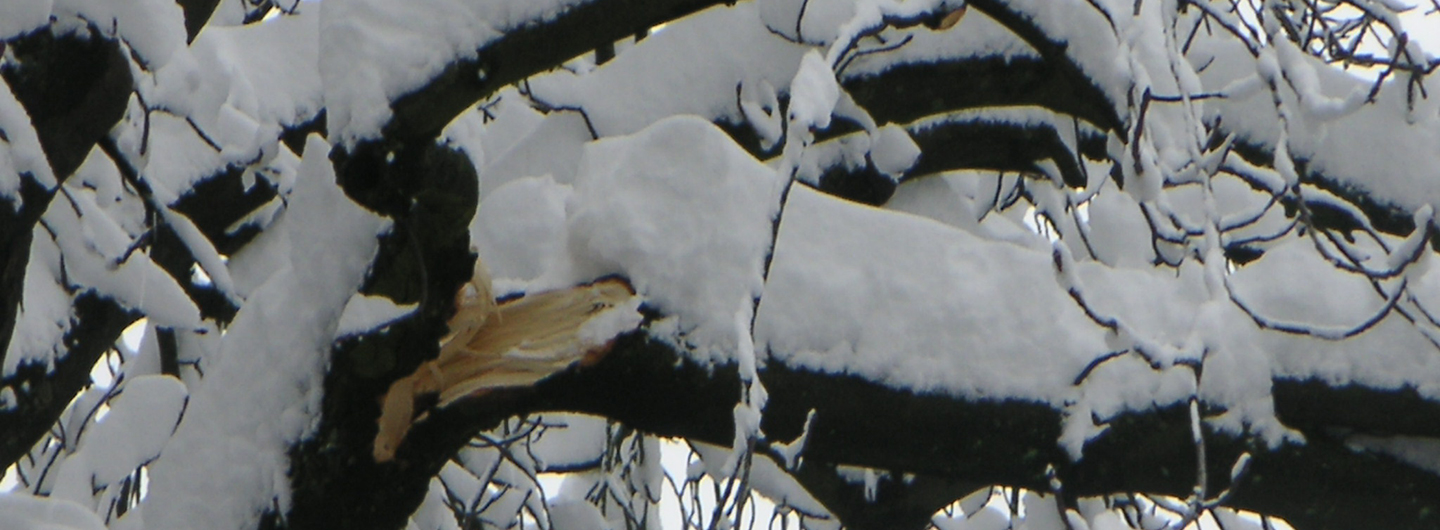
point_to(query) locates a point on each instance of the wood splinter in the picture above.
(514, 344)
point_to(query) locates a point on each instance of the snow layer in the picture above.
(1417, 451)
(681, 211)
(21, 511)
(1080, 26)
(272, 69)
(578, 514)
(1281, 285)
(921, 306)
(767, 478)
(911, 303)
(20, 151)
(977, 35)
(96, 257)
(133, 433)
(95, 243)
(893, 151)
(551, 147)
(177, 157)
(799, 20)
(365, 313)
(521, 226)
(376, 50)
(580, 441)
(43, 320)
(227, 461)
(961, 200)
(1385, 149)
(1119, 234)
(222, 101)
(18, 17)
(690, 68)
(153, 29)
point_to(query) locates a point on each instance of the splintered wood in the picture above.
(952, 18)
(515, 344)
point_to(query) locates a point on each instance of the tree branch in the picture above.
(44, 391)
(526, 51)
(197, 14)
(952, 445)
(74, 89)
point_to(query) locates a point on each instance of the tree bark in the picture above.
(952, 445)
(74, 89)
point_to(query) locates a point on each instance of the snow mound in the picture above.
(681, 211)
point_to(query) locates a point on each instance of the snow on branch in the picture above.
(1083, 234)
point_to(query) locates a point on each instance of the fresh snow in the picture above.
(977, 35)
(133, 433)
(20, 151)
(364, 313)
(43, 321)
(684, 214)
(918, 305)
(837, 301)
(373, 51)
(520, 227)
(1417, 451)
(604, 327)
(176, 158)
(153, 29)
(268, 72)
(86, 224)
(832, 277)
(894, 151)
(227, 460)
(205, 254)
(767, 478)
(21, 511)
(97, 257)
(22, 16)
(667, 73)
(551, 147)
(937, 292)
(1383, 148)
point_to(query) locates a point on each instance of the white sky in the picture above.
(1423, 25)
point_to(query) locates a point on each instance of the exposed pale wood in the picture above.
(952, 18)
(515, 344)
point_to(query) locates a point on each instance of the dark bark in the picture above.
(197, 14)
(521, 53)
(430, 193)
(1088, 100)
(74, 89)
(1313, 406)
(43, 392)
(951, 445)
(908, 92)
(1383, 215)
(211, 205)
(424, 259)
(899, 502)
(996, 146)
(294, 135)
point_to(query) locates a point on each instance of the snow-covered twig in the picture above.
(1319, 332)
